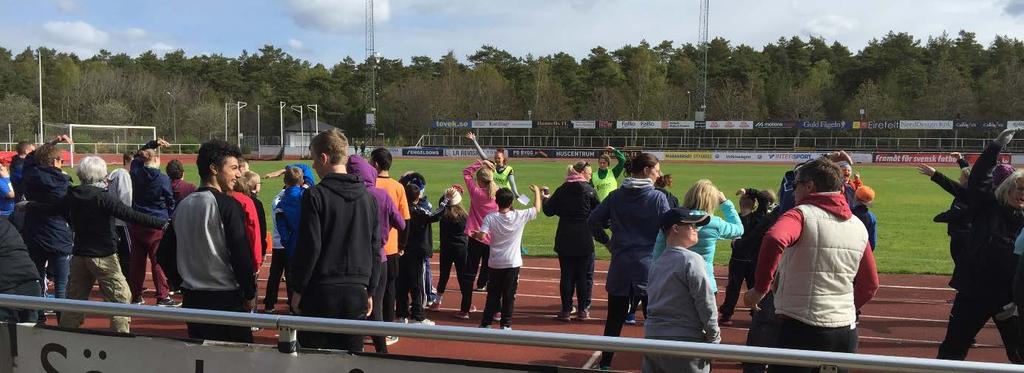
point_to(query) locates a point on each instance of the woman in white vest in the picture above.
(826, 270)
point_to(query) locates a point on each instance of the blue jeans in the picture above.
(431, 296)
(56, 264)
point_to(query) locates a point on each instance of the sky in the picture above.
(326, 31)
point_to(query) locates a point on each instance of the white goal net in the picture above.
(93, 139)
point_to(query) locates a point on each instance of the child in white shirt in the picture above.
(505, 228)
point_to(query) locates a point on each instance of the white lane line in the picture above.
(593, 359)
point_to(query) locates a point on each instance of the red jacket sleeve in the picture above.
(865, 284)
(784, 233)
(252, 228)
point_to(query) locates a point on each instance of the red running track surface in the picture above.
(907, 317)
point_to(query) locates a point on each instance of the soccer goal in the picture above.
(94, 139)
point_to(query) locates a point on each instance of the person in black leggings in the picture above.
(454, 251)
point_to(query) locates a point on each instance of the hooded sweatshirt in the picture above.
(629, 211)
(16, 267)
(339, 236)
(48, 233)
(287, 213)
(387, 213)
(788, 230)
(481, 203)
(151, 189)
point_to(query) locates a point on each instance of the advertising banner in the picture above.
(606, 124)
(1015, 124)
(40, 349)
(466, 153)
(530, 153)
(522, 124)
(979, 125)
(926, 124)
(688, 156)
(578, 154)
(584, 124)
(824, 125)
(774, 125)
(931, 158)
(653, 124)
(729, 125)
(423, 152)
(876, 125)
(551, 124)
(450, 124)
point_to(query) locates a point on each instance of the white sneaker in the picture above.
(506, 328)
(422, 322)
(402, 320)
(390, 340)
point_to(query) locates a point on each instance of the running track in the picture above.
(907, 317)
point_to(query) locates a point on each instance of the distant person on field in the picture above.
(206, 250)
(818, 262)
(119, 185)
(22, 150)
(504, 175)
(18, 275)
(417, 248)
(92, 211)
(48, 237)
(988, 280)
(7, 193)
(605, 180)
(453, 245)
(180, 187)
(151, 195)
(505, 228)
(663, 184)
(958, 217)
(755, 205)
(573, 202)
(388, 216)
(480, 185)
(380, 159)
(628, 211)
(681, 303)
(337, 258)
(286, 207)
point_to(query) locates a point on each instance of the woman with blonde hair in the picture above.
(706, 197)
(480, 185)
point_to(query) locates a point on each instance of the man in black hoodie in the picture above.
(337, 259)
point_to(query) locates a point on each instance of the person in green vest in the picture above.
(504, 175)
(604, 180)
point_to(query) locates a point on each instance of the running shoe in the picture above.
(630, 319)
(390, 340)
(168, 302)
(422, 322)
(563, 317)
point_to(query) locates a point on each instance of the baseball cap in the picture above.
(680, 215)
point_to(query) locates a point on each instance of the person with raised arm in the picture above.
(151, 195)
(605, 180)
(504, 175)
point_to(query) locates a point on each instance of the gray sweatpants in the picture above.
(674, 364)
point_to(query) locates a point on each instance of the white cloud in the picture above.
(67, 6)
(76, 34)
(296, 44)
(134, 33)
(830, 26)
(1015, 8)
(161, 47)
(335, 15)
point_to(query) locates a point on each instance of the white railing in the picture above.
(287, 325)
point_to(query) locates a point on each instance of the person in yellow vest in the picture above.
(504, 175)
(605, 180)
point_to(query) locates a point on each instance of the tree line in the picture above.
(895, 77)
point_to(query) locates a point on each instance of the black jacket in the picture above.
(419, 242)
(339, 238)
(572, 202)
(47, 233)
(91, 211)
(16, 266)
(958, 216)
(748, 246)
(986, 267)
(673, 202)
(453, 234)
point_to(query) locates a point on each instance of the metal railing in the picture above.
(287, 325)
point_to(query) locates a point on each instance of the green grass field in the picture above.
(908, 240)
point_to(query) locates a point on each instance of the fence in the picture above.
(287, 325)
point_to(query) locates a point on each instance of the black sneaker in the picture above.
(168, 302)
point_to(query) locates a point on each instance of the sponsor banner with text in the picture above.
(930, 158)
(729, 124)
(450, 124)
(926, 124)
(876, 125)
(774, 125)
(981, 125)
(423, 152)
(530, 153)
(688, 156)
(781, 157)
(1015, 124)
(824, 125)
(502, 124)
(551, 124)
(584, 124)
(653, 124)
(466, 153)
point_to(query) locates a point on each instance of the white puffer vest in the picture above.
(815, 276)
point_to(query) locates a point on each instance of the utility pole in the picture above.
(226, 120)
(39, 52)
(280, 116)
(302, 125)
(316, 117)
(238, 116)
(702, 38)
(174, 116)
(259, 149)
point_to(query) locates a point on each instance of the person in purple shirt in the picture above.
(180, 187)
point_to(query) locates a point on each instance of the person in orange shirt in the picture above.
(380, 158)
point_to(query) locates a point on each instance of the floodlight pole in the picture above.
(39, 52)
(316, 117)
(174, 116)
(280, 116)
(238, 124)
(226, 120)
(302, 125)
(259, 150)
